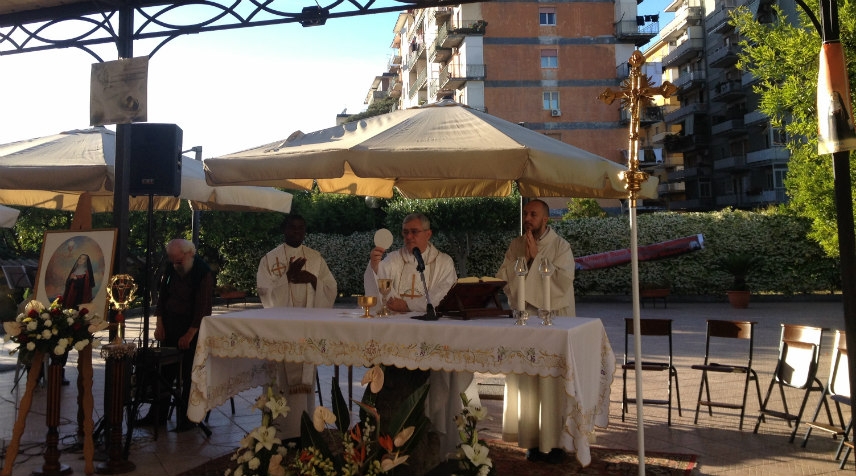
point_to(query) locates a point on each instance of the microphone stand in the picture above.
(430, 314)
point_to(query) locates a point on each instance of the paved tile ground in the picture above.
(721, 447)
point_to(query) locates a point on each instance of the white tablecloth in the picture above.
(236, 352)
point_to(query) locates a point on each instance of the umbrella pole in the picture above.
(636, 91)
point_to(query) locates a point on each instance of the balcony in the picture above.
(729, 127)
(767, 196)
(684, 111)
(675, 143)
(648, 115)
(720, 20)
(673, 30)
(684, 52)
(632, 32)
(442, 13)
(748, 79)
(723, 57)
(449, 37)
(729, 91)
(451, 76)
(417, 52)
(394, 88)
(421, 80)
(676, 176)
(754, 118)
(689, 81)
(727, 200)
(697, 204)
(730, 163)
(438, 54)
(433, 87)
(773, 155)
(668, 188)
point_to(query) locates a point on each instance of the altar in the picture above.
(236, 352)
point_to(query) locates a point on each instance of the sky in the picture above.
(228, 90)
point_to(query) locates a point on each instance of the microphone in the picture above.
(420, 264)
(430, 314)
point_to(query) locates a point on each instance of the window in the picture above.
(704, 189)
(780, 136)
(551, 100)
(550, 58)
(547, 16)
(779, 178)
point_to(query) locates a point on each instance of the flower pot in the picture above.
(738, 299)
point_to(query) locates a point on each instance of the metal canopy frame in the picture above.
(30, 25)
(84, 25)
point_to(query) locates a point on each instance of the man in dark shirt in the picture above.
(185, 297)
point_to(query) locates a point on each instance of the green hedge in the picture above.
(791, 263)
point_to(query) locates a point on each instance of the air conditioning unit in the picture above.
(555, 112)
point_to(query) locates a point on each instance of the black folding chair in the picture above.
(661, 328)
(718, 331)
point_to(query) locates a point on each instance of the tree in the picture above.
(783, 57)
(583, 208)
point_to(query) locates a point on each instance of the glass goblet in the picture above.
(385, 287)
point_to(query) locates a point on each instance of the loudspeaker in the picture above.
(155, 159)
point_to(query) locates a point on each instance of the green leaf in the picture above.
(340, 407)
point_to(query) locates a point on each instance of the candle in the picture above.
(521, 269)
(546, 282)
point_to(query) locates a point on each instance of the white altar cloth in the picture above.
(236, 352)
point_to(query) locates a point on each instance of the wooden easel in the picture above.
(82, 221)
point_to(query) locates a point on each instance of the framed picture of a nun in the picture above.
(75, 266)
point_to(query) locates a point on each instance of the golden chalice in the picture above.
(366, 302)
(385, 287)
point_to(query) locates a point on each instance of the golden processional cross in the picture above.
(637, 91)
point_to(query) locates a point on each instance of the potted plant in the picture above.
(739, 265)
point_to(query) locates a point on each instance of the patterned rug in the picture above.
(511, 461)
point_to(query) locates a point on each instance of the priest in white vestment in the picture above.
(408, 295)
(532, 406)
(293, 275)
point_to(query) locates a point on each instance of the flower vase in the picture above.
(52, 466)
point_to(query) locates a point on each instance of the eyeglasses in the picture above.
(412, 231)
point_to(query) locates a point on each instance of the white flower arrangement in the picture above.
(473, 452)
(261, 449)
(361, 451)
(53, 330)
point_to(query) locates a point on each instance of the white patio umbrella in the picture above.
(446, 150)
(53, 171)
(8, 217)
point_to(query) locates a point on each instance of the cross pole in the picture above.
(637, 91)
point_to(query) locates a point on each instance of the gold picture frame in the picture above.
(76, 265)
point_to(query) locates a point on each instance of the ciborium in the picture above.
(366, 302)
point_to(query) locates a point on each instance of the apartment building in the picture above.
(539, 64)
(718, 150)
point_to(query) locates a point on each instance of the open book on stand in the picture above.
(474, 297)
